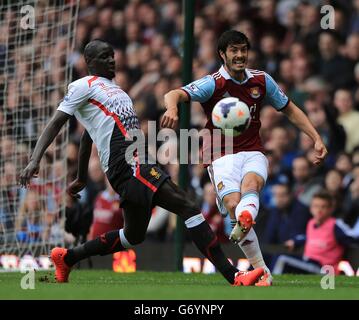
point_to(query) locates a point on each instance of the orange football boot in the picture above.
(244, 224)
(248, 278)
(62, 270)
(265, 281)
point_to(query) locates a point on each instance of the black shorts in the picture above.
(139, 187)
(135, 184)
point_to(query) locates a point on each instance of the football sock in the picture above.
(107, 243)
(206, 241)
(250, 247)
(249, 201)
(233, 223)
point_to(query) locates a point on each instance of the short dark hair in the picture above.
(231, 37)
(324, 195)
(91, 49)
(284, 185)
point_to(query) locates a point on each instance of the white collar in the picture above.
(226, 75)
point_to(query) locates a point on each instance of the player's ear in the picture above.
(222, 55)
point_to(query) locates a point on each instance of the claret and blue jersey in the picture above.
(257, 89)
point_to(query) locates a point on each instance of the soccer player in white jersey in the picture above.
(239, 177)
(108, 116)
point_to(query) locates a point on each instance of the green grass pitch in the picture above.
(105, 284)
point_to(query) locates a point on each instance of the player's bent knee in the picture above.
(135, 240)
(190, 209)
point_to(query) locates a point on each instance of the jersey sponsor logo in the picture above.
(254, 92)
(220, 186)
(155, 173)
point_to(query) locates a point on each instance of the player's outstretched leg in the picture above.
(244, 235)
(136, 222)
(174, 199)
(64, 259)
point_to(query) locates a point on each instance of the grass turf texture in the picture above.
(105, 284)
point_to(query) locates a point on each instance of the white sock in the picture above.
(249, 201)
(250, 247)
(124, 241)
(194, 221)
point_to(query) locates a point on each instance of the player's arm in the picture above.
(200, 90)
(84, 156)
(301, 121)
(48, 135)
(171, 101)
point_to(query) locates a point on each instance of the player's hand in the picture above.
(290, 244)
(31, 170)
(74, 188)
(169, 119)
(320, 151)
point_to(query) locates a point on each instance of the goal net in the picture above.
(36, 39)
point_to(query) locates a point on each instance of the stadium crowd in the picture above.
(317, 68)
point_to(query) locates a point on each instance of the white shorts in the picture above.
(227, 172)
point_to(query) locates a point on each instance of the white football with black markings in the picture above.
(232, 116)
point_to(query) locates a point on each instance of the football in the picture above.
(232, 116)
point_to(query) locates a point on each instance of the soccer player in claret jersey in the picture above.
(239, 176)
(108, 116)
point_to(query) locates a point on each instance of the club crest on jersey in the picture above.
(254, 92)
(220, 186)
(155, 173)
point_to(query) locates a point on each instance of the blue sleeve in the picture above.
(201, 90)
(274, 95)
(344, 234)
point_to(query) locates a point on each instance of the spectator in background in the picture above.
(351, 202)
(31, 224)
(333, 183)
(355, 156)
(275, 177)
(354, 27)
(331, 63)
(288, 218)
(325, 240)
(309, 25)
(9, 193)
(107, 214)
(270, 119)
(344, 165)
(348, 117)
(281, 145)
(305, 185)
(332, 133)
(351, 49)
(271, 55)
